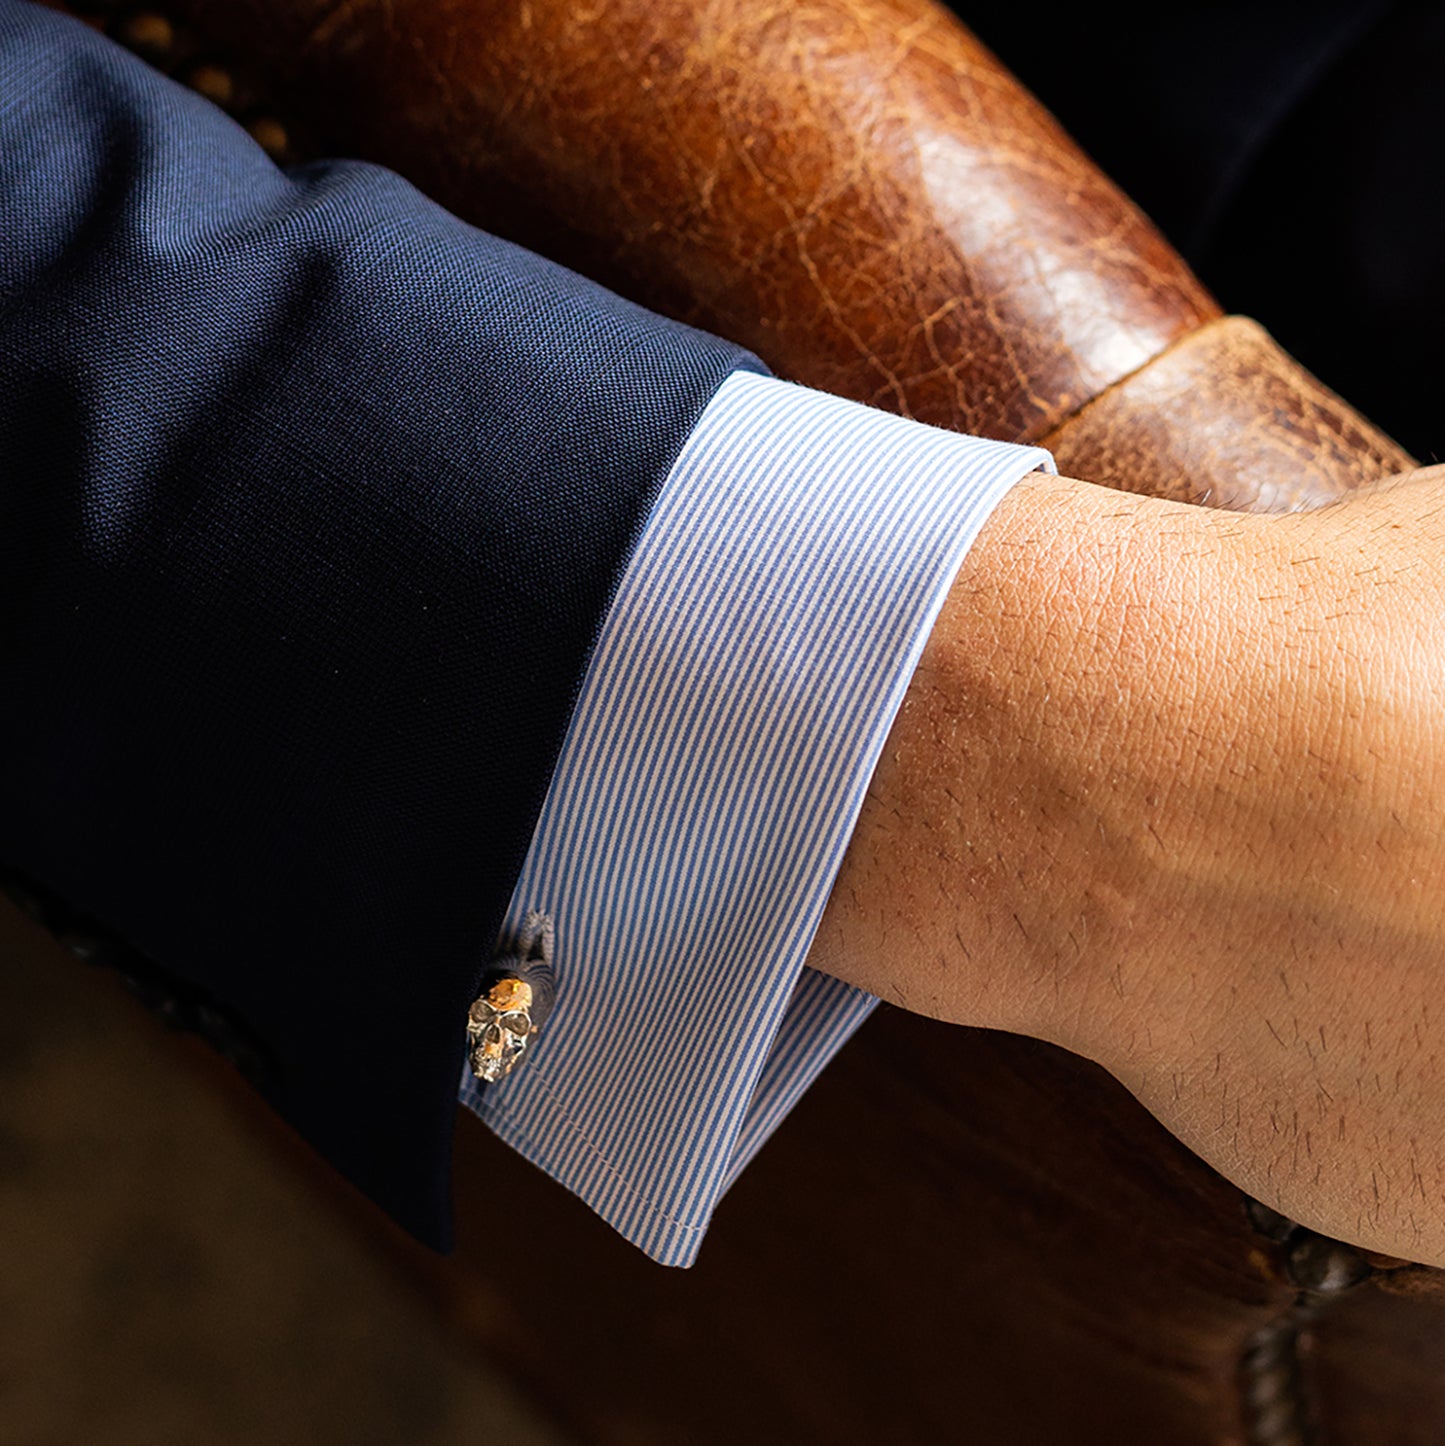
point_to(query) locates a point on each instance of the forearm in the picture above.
(1167, 790)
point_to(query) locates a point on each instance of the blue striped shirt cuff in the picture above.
(743, 684)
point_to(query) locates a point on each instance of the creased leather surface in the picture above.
(856, 191)
(1226, 419)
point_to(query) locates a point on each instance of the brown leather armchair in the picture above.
(1011, 1250)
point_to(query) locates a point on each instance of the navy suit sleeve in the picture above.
(311, 501)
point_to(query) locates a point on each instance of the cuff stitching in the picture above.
(502, 1109)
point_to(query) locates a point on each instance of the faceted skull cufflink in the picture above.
(516, 998)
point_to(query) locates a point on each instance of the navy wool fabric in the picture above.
(312, 499)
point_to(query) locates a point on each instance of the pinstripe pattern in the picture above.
(738, 699)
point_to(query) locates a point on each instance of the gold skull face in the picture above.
(499, 1028)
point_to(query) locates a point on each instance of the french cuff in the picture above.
(743, 683)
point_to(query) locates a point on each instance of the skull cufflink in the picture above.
(516, 998)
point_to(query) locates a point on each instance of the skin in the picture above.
(1168, 789)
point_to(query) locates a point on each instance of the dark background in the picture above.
(1295, 154)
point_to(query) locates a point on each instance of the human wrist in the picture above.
(1290, 1039)
(1311, 820)
(999, 864)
